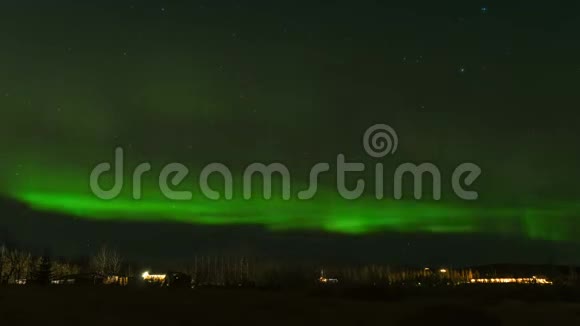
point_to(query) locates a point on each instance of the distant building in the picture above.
(170, 279)
(519, 280)
(325, 280)
(153, 278)
(90, 279)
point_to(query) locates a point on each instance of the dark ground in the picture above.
(127, 306)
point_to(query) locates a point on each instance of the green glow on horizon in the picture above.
(330, 215)
(65, 191)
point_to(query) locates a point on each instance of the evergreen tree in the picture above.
(44, 273)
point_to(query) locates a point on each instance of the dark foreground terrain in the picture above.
(133, 306)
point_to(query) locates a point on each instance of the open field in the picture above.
(130, 306)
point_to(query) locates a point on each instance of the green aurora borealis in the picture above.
(351, 218)
(275, 82)
(327, 211)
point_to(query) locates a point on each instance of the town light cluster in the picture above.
(521, 280)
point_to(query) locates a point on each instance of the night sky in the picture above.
(495, 83)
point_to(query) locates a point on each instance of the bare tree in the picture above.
(61, 269)
(21, 262)
(106, 262)
(14, 265)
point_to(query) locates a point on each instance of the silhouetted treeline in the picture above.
(21, 267)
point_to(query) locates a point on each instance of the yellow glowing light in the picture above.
(521, 280)
(153, 277)
(443, 270)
